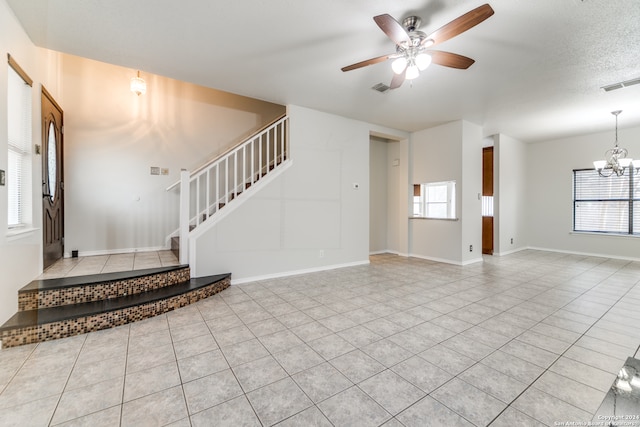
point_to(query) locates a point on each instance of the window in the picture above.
(19, 146)
(606, 205)
(487, 205)
(435, 200)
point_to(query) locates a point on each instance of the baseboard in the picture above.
(389, 252)
(513, 251)
(118, 251)
(561, 251)
(472, 261)
(297, 272)
(447, 261)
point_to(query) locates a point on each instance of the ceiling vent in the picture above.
(381, 87)
(620, 85)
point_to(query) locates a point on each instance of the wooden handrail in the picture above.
(231, 173)
(230, 149)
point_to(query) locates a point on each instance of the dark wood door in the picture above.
(52, 180)
(487, 190)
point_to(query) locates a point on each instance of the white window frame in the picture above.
(426, 205)
(606, 205)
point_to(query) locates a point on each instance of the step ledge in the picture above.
(30, 318)
(93, 279)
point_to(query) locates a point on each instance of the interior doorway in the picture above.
(52, 180)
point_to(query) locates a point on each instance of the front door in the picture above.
(52, 180)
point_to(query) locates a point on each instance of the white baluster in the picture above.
(217, 200)
(184, 216)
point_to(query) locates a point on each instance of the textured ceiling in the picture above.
(538, 72)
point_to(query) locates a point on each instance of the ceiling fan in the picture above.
(412, 53)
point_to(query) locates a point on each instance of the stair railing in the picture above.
(218, 183)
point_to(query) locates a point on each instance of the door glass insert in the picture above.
(52, 162)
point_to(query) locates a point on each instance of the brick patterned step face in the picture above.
(65, 291)
(32, 326)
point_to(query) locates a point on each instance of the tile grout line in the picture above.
(75, 362)
(567, 349)
(512, 339)
(328, 285)
(229, 365)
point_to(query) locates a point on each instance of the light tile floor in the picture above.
(527, 339)
(80, 266)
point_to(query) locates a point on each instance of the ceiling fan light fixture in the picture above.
(399, 65)
(423, 60)
(138, 85)
(410, 43)
(412, 72)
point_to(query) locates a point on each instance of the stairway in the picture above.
(210, 191)
(57, 308)
(175, 239)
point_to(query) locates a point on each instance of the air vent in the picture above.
(620, 85)
(380, 87)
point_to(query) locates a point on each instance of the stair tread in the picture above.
(54, 314)
(69, 282)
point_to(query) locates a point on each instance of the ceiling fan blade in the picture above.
(392, 29)
(368, 62)
(461, 24)
(397, 80)
(448, 59)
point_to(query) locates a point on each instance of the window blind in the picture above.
(19, 149)
(605, 204)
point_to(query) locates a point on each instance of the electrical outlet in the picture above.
(155, 170)
(321, 253)
(470, 248)
(164, 171)
(512, 240)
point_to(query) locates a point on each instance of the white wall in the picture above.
(510, 194)
(113, 137)
(549, 177)
(399, 191)
(471, 189)
(450, 152)
(378, 195)
(310, 208)
(390, 198)
(21, 255)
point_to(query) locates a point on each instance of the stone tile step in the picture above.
(72, 281)
(46, 293)
(31, 326)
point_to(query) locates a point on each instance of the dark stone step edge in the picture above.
(95, 279)
(30, 318)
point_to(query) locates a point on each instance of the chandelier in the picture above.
(616, 160)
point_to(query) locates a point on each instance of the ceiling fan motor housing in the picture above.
(411, 23)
